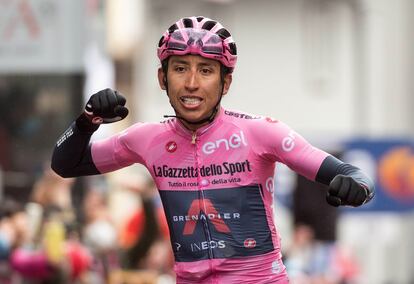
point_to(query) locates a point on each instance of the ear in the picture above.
(228, 78)
(162, 79)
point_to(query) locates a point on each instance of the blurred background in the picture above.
(337, 71)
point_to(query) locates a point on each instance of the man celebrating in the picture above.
(213, 167)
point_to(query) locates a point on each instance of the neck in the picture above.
(193, 126)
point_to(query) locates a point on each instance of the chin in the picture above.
(193, 115)
(193, 119)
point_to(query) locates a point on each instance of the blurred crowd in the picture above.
(51, 239)
(312, 261)
(117, 233)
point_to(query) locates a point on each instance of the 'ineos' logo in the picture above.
(171, 147)
(288, 143)
(236, 140)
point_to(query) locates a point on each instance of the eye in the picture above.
(206, 71)
(179, 69)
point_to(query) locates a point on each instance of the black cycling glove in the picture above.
(106, 106)
(345, 190)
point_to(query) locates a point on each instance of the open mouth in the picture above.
(191, 101)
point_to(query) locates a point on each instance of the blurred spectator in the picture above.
(51, 251)
(314, 256)
(13, 225)
(52, 190)
(318, 262)
(99, 234)
(144, 239)
(13, 232)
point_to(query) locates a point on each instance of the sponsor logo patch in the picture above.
(288, 143)
(249, 243)
(236, 140)
(171, 147)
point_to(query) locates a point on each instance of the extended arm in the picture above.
(348, 185)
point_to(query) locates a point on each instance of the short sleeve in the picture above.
(123, 149)
(278, 142)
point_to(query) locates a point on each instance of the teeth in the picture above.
(190, 100)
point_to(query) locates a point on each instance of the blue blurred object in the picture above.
(390, 163)
(4, 248)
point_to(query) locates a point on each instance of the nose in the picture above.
(191, 82)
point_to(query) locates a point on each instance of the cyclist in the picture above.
(213, 167)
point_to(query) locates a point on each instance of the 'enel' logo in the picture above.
(288, 143)
(236, 140)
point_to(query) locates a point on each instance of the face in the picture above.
(194, 86)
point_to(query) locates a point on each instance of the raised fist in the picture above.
(106, 106)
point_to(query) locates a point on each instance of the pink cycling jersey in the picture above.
(216, 186)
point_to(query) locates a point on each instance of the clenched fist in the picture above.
(106, 106)
(344, 190)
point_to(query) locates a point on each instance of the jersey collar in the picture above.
(181, 129)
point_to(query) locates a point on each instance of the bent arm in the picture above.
(72, 154)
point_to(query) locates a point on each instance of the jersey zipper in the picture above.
(202, 198)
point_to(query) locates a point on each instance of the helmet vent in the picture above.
(199, 19)
(172, 28)
(209, 25)
(223, 33)
(233, 48)
(188, 23)
(161, 41)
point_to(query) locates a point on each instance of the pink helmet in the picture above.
(201, 36)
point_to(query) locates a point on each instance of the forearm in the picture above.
(331, 167)
(72, 154)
